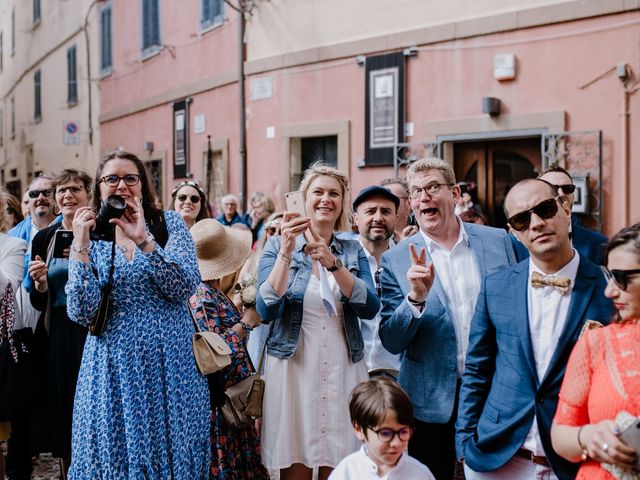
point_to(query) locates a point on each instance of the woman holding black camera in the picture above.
(48, 269)
(141, 408)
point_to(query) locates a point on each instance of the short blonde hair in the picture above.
(319, 169)
(432, 163)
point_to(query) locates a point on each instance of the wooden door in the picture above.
(490, 168)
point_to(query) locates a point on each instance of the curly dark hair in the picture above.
(152, 213)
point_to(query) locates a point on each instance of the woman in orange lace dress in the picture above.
(600, 394)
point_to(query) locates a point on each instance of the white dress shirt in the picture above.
(547, 311)
(459, 274)
(375, 355)
(358, 466)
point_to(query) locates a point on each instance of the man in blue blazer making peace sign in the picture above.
(527, 320)
(430, 283)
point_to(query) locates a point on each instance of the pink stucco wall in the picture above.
(444, 82)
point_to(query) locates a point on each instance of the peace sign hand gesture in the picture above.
(420, 276)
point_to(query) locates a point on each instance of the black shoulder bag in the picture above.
(161, 234)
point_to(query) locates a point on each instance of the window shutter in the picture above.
(37, 110)
(72, 82)
(105, 39)
(150, 24)
(205, 13)
(217, 10)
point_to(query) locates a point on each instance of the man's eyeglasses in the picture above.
(545, 210)
(194, 198)
(619, 277)
(386, 435)
(36, 193)
(114, 180)
(567, 189)
(431, 190)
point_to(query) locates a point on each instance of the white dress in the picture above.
(306, 403)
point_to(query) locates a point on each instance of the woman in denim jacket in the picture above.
(312, 289)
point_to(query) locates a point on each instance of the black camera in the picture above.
(112, 207)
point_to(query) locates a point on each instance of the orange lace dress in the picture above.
(602, 378)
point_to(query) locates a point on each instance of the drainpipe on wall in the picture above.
(85, 26)
(242, 134)
(624, 142)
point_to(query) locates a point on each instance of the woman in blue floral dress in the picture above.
(141, 407)
(235, 452)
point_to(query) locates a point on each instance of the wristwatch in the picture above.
(337, 265)
(150, 238)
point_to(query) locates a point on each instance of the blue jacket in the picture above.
(286, 312)
(500, 391)
(429, 371)
(23, 230)
(587, 242)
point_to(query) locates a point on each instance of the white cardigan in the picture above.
(12, 252)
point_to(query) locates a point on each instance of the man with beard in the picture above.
(430, 283)
(403, 229)
(375, 213)
(28, 431)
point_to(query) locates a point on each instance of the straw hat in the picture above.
(221, 250)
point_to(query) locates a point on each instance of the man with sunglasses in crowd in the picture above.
(41, 208)
(587, 242)
(527, 320)
(430, 282)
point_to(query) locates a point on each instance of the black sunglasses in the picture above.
(619, 277)
(567, 189)
(545, 210)
(183, 197)
(36, 193)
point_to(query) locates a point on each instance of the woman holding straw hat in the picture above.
(235, 452)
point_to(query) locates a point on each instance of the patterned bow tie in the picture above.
(559, 283)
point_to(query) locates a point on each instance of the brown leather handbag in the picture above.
(209, 349)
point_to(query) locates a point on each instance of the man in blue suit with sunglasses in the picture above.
(527, 320)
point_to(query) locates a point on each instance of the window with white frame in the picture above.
(150, 27)
(105, 40)
(211, 13)
(72, 76)
(37, 98)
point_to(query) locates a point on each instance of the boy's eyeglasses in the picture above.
(194, 198)
(386, 435)
(545, 210)
(36, 193)
(619, 277)
(114, 180)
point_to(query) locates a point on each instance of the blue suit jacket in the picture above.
(428, 371)
(500, 391)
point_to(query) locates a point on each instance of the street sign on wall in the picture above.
(71, 133)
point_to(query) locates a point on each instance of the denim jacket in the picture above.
(286, 312)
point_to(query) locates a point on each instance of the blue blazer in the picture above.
(428, 370)
(500, 391)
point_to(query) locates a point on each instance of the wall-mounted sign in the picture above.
(199, 124)
(71, 133)
(180, 139)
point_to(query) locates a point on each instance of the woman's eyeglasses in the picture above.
(386, 435)
(114, 180)
(545, 210)
(194, 198)
(619, 277)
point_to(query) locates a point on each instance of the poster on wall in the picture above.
(384, 109)
(180, 139)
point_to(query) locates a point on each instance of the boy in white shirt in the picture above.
(381, 415)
